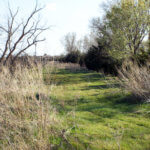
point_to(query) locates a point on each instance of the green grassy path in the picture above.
(97, 113)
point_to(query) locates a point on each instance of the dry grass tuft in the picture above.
(136, 79)
(27, 118)
(67, 66)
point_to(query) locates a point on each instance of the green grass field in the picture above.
(98, 114)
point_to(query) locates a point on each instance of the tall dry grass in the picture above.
(136, 79)
(27, 120)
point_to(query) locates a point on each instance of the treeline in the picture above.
(122, 33)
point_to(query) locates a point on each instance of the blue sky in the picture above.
(62, 15)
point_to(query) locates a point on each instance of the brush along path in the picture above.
(97, 113)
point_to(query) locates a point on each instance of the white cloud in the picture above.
(51, 7)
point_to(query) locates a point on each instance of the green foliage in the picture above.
(124, 28)
(98, 59)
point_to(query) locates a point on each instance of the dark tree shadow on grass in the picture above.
(66, 77)
(104, 86)
(106, 107)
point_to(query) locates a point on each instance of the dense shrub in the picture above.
(98, 59)
(60, 58)
(82, 60)
(72, 57)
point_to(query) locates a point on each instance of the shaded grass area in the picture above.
(98, 113)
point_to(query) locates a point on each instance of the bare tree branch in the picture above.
(21, 36)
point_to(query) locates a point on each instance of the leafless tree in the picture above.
(18, 37)
(70, 42)
(88, 41)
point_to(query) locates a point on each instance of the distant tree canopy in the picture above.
(72, 46)
(70, 42)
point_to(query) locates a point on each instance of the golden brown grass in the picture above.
(26, 116)
(70, 66)
(136, 79)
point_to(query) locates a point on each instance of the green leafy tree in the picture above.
(124, 28)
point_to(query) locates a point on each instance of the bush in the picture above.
(98, 59)
(136, 79)
(82, 60)
(72, 57)
(60, 58)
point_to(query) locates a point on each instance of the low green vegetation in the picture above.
(98, 114)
